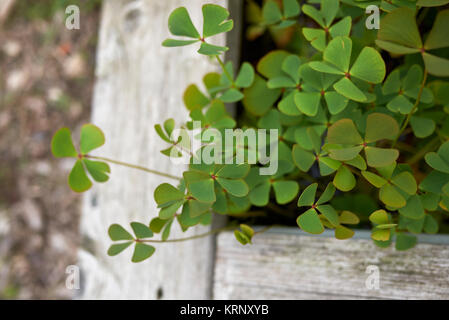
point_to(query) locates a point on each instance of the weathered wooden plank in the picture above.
(286, 264)
(140, 83)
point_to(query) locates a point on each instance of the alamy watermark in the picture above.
(373, 280)
(72, 281)
(72, 20)
(373, 20)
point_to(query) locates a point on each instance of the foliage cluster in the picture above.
(362, 115)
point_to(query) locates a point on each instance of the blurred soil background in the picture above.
(46, 82)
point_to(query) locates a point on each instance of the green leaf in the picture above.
(200, 186)
(78, 180)
(381, 235)
(307, 197)
(141, 231)
(194, 98)
(238, 188)
(270, 66)
(422, 127)
(378, 157)
(389, 195)
(98, 170)
(347, 217)
(380, 126)
(285, 191)
(310, 222)
(341, 28)
(241, 237)
(400, 104)
(246, 76)
(374, 179)
(348, 89)
(170, 43)
(399, 27)
(314, 14)
(166, 193)
(413, 209)
(437, 37)
(436, 65)
(330, 214)
(260, 195)
(345, 154)
(357, 162)
(258, 98)
(247, 230)
(343, 233)
(344, 179)
(406, 182)
(157, 224)
(432, 3)
(167, 229)
(327, 195)
(405, 241)
(369, 66)
(115, 249)
(393, 83)
(302, 158)
(317, 37)
(308, 102)
(379, 217)
(291, 66)
(436, 162)
(271, 12)
(231, 95)
(91, 138)
(117, 233)
(395, 48)
(215, 20)
(329, 10)
(211, 50)
(180, 24)
(234, 171)
(344, 132)
(430, 225)
(142, 252)
(338, 52)
(62, 145)
(291, 8)
(325, 67)
(336, 103)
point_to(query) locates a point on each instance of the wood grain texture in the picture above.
(140, 83)
(289, 265)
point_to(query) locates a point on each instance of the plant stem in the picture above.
(429, 147)
(203, 235)
(120, 163)
(418, 99)
(224, 69)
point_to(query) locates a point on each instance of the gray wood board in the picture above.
(287, 264)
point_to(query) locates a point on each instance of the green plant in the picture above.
(349, 126)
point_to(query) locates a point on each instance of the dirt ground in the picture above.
(46, 82)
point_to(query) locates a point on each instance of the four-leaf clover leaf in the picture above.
(399, 34)
(325, 17)
(346, 141)
(405, 89)
(272, 14)
(310, 221)
(91, 138)
(142, 251)
(215, 22)
(201, 180)
(369, 67)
